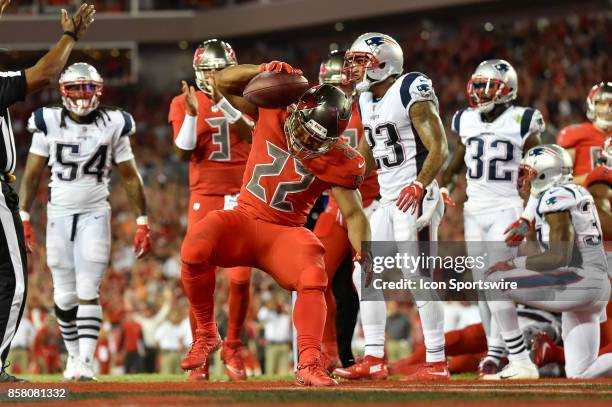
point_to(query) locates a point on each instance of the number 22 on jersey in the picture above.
(278, 199)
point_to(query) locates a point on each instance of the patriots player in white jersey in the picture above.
(405, 141)
(570, 274)
(79, 142)
(493, 135)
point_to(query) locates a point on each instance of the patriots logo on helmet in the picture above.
(502, 67)
(536, 152)
(375, 41)
(551, 200)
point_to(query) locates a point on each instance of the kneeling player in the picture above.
(296, 155)
(79, 142)
(570, 275)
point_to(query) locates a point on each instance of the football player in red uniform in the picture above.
(331, 226)
(296, 155)
(584, 141)
(214, 137)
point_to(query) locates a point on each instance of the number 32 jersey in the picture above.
(493, 152)
(395, 144)
(80, 156)
(281, 189)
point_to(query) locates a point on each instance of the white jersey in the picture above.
(493, 152)
(588, 253)
(80, 156)
(396, 146)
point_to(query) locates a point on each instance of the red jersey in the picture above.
(279, 188)
(588, 141)
(602, 174)
(217, 163)
(352, 135)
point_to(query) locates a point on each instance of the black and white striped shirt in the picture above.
(12, 89)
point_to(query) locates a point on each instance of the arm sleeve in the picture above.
(13, 87)
(122, 150)
(567, 137)
(39, 146)
(416, 87)
(532, 122)
(557, 199)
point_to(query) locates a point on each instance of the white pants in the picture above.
(78, 251)
(581, 298)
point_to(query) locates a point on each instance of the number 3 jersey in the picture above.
(588, 253)
(395, 144)
(80, 156)
(493, 152)
(279, 188)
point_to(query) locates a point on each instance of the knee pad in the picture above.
(239, 275)
(313, 278)
(198, 244)
(89, 289)
(65, 301)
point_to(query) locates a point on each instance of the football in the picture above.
(273, 90)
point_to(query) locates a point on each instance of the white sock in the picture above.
(505, 314)
(432, 321)
(66, 320)
(373, 320)
(89, 320)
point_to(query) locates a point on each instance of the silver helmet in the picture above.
(376, 57)
(493, 82)
(543, 167)
(331, 71)
(600, 94)
(209, 56)
(81, 88)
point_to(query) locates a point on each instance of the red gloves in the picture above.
(410, 197)
(30, 238)
(142, 239)
(278, 67)
(365, 261)
(448, 201)
(517, 232)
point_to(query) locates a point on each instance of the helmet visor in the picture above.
(525, 175)
(302, 142)
(483, 90)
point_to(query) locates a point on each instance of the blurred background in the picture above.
(143, 48)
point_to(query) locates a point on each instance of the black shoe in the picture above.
(8, 378)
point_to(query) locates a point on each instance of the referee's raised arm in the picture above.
(14, 86)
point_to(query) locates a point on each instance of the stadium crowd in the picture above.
(557, 62)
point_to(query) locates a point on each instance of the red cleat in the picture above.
(329, 361)
(545, 351)
(369, 368)
(489, 366)
(206, 341)
(199, 373)
(312, 374)
(231, 355)
(429, 372)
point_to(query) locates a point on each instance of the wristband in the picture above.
(25, 216)
(72, 35)
(142, 220)
(520, 262)
(187, 137)
(230, 112)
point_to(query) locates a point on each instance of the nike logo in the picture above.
(301, 380)
(233, 370)
(98, 217)
(375, 368)
(438, 373)
(507, 377)
(360, 165)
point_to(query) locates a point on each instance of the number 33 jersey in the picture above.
(493, 152)
(80, 156)
(281, 189)
(395, 144)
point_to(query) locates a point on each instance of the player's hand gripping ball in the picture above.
(277, 85)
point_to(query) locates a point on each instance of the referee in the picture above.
(14, 86)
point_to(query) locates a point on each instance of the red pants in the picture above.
(239, 277)
(337, 246)
(293, 256)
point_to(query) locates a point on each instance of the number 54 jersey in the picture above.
(80, 156)
(395, 144)
(493, 152)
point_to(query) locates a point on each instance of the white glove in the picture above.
(432, 204)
